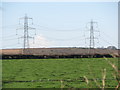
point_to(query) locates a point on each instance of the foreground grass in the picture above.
(69, 73)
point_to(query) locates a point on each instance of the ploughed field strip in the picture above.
(58, 73)
(38, 53)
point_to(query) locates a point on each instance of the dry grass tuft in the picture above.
(62, 85)
(103, 79)
(117, 74)
(86, 80)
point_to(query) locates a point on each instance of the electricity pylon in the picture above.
(26, 29)
(92, 43)
(92, 36)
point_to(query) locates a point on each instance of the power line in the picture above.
(9, 39)
(110, 38)
(7, 36)
(9, 26)
(9, 45)
(107, 42)
(53, 29)
(63, 39)
(26, 36)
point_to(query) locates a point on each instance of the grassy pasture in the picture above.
(58, 73)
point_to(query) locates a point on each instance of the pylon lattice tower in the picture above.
(92, 43)
(91, 34)
(92, 37)
(26, 33)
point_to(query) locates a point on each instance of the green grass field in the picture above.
(58, 73)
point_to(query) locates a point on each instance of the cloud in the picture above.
(39, 42)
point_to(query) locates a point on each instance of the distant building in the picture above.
(101, 47)
(111, 47)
